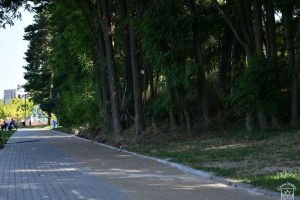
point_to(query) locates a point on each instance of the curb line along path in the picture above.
(40, 164)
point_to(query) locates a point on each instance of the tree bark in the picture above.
(172, 118)
(201, 80)
(257, 26)
(271, 30)
(287, 15)
(138, 113)
(172, 111)
(249, 122)
(103, 6)
(272, 51)
(127, 60)
(295, 118)
(188, 120)
(151, 82)
(225, 61)
(49, 118)
(257, 29)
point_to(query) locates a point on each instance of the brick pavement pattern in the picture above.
(33, 169)
(39, 164)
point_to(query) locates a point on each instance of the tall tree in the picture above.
(39, 72)
(138, 110)
(105, 10)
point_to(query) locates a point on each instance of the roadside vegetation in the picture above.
(16, 109)
(5, 135)
(167, 78)
(262, 158)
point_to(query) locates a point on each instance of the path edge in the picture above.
(233, 184)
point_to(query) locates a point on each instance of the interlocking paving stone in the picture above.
(39, 164)
(35, 169)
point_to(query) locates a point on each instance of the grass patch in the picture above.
(62, 129)
(273, 181)
(5, 135)
(262, 158)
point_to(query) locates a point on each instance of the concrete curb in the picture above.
(233, 184)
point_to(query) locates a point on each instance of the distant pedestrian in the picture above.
(13, 123)
(5, 126)
(55, 123)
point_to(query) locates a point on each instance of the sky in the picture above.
(12, 49)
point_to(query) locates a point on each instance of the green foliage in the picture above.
(17, 108)
(274, 180)
(261, 86)
(74, 72)
(38, 70)
(166, 43)
(2, 110)
(158, 108)
(5, 135)
(178, 45)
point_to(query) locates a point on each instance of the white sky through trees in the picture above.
(12, 49)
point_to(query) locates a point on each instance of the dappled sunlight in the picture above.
(80, 195)
(159, 180)
(228, 146)
(123, 156)
(35, 134)
(56, 163)
(22, 185)
(46, 170)
(181, 186)
(42, 137)
(115, 172)
(133, 171)
(147, 175)
(40, 130)
(194, 187)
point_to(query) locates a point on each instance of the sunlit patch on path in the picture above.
(32, 168)
(41, 164)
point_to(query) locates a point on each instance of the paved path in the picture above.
(40, 164)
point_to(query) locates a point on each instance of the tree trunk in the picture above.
(127, 60)
(249, 119)
(201, 86)
(271, 30)
(272, 52)
(188, 120)
(297, 67)
(138, 117)
(225, 64)
(172, 112)
(238, 62)
(172, 118)
(249, 122)
(257, 29)
(49, 118)
(287, 15)
(257, 26)
(151, 82)
(114, 94)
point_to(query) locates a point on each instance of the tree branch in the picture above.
(236, 34)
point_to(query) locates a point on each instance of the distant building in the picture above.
(9, 95)
(14, 93)
(21, 94)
